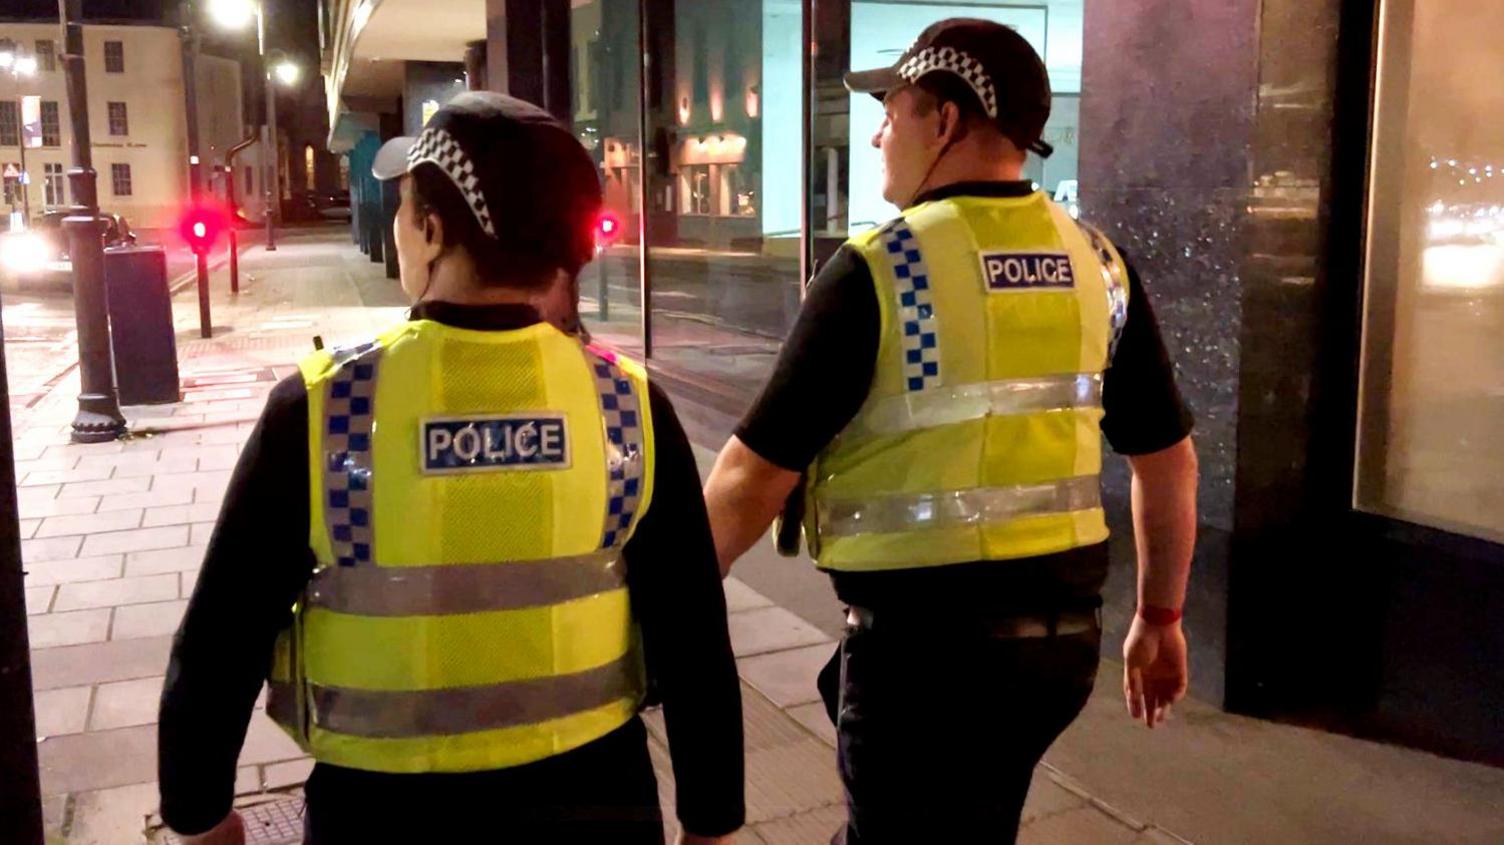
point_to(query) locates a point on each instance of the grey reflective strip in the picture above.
(349, 420)
(282, 703)
(947, 405)
(444, 712)
(1117, 286)
(464, 588)
(956, 508)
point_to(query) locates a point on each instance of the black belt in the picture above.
(1015, 626)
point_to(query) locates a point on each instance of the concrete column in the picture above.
(527, 51)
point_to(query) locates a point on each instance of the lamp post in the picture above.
(98, 418)
(20, 67)
(236, 15)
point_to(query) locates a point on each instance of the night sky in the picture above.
(294, 23)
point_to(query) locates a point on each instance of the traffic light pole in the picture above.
(274, 151)
(98, 417)
(234, 211)
(189, 38)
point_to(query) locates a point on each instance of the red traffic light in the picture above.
(608, 229)
(201, 226)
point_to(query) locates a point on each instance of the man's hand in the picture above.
(1154, 670)
(687, 838)
(231, 831)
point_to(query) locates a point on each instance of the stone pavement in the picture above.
(114, 535)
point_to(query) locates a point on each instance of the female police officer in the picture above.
(484, 529)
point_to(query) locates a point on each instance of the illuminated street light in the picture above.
(232, 14)
(287, 72)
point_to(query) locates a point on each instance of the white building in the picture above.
(137, 122)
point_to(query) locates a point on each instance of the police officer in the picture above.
(943, 389)
(484, 529)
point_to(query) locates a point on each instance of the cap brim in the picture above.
(876, 82)
(391, 159)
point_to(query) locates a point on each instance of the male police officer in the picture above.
(478, 518)
(943, 388)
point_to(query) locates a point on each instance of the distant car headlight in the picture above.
(23, 252)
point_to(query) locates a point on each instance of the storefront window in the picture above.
(718, 183)
(724, 179)
(1431, 409)
(607, 113)
(849, 195)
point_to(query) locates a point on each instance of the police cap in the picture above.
(523, 174)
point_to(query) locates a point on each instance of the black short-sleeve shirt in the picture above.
(825, 371)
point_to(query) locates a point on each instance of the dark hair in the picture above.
(942, 88)
(526, 260)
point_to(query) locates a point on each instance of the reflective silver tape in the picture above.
(956, 508)
(282, 703)
(1114, 279)
(386, 714)
(939, 406)
(465, 588)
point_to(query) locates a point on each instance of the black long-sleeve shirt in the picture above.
(258, 562)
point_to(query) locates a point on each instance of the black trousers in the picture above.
(601, 792)
(939, 731)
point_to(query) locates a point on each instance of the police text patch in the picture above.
(1020, 271)
(512, 442)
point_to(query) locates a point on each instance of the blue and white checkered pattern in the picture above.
(1116, 284)
(622, 413)
(916, 307)
(349, 417)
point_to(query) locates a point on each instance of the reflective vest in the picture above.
(979, 438)
(471, 493)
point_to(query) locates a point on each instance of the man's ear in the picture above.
(433, 237)
(951, 127)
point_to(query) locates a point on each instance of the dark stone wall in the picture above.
(1167, 106)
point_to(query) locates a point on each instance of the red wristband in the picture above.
(1158, 615)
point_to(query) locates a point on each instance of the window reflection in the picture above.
(1432, 402)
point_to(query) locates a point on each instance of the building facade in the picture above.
(1312, 192)
(137, 121)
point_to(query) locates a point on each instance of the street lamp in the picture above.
(236, 15)
(19, 66)
(287, 72)
(233, 14)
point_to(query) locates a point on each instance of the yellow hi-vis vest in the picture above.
(979, 439)
(471, 493)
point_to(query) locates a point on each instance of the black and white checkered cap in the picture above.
(996, 63)
(522, 173)
(958, 62)
(439, 147)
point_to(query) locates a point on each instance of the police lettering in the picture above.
(499, 443)
(1014, 271)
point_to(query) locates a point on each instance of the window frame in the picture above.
(57, 123)
(46, 58)
(125, 121)
(118, 63)
(120, 173)
(10, 123)
(54, 184)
